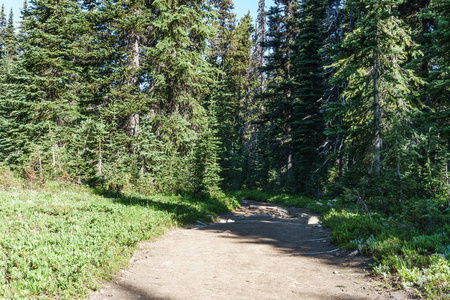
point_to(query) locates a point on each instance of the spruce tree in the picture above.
(148, 61)
(48, 59)
(232, 100)
(19, 132)
(309, 89)
(10, 41)
(334, 147)
(2, 30)
(436, 119)
(225, 24)
(377, 111)
(280, 88)
(260, 40)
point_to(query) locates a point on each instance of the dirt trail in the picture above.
(260, 251)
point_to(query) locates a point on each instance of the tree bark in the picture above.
(100, 161)
(260, 41)
(132, 122)
(377, 142)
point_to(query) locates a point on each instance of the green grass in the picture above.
(411, 248)
(405, 255)
(60, 242)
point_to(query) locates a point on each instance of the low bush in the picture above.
(411, 256)
(59, 244)
(410, 245)
(7, 178)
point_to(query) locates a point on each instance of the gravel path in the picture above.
(260, 251)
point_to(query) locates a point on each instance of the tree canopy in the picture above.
(181, 97)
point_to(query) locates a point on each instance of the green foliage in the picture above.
(309, 89)
(60, 241)
(94, 98)
(401, 244)
(7, 179)
(2, 29)
(231, 55)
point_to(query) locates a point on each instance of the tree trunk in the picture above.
(132, 123)
(100, 162)
(288, 14)
(41, 171)
(377, 142)
(260, 40)
(53, 155)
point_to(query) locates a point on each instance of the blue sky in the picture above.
(241, 7)
(16, 5)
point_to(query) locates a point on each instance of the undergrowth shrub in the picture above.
(409, 238)
(7, 178)
(60, 240)
(412, 252)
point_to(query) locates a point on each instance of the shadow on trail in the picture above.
(265, 253)
(290, 235)
(135, 293)
(184, 208)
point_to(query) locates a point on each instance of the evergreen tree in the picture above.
(2, 30)
(10, 42)
(206, 160)
(436, 120)
(19, 133)
(225, 24)
(308, 75)
(334, 146)
(148, 62)
(377, 111)
(181, 77)
(260, 50)
(48, 59)
(237, 83)
(280, 88)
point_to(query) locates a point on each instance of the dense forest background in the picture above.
(315, 97)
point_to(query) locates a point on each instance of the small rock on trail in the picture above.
(261, 251)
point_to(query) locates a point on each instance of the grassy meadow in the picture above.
(60, 241)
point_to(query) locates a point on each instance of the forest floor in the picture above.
(260, 251)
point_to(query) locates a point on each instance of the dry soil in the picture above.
(260, 251)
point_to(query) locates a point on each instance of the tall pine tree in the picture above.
(377, 111)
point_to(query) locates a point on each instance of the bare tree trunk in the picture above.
(100, 162)
(41, 171)
(53, 155)
(447, 165)
(287, 16)
(446, 174)
(260, 40)
(377, 142)
(132, 123)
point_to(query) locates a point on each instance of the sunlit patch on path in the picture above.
(259, 251)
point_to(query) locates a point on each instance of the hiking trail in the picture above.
(259, 251)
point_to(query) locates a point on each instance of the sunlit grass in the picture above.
(59, 244)
(411, 249)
